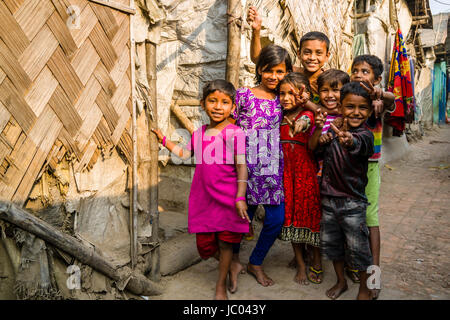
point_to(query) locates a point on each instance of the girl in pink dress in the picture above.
(217, 207)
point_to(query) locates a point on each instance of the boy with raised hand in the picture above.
(369, 68)
(345, 151)
(313, 52)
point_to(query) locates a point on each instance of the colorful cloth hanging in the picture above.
(400, 84)
(439, 91)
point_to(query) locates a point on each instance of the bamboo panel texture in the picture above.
(332, 18)
(65, 88)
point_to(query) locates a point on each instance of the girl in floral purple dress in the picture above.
(259, 114)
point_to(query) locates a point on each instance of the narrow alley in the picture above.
(415, 242)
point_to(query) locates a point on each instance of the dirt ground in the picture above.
(415, 239)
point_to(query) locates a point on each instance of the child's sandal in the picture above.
(250, 235)
(352, 274)
(317, 273)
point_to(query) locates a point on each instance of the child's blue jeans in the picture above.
(344, 234)
(273, 221)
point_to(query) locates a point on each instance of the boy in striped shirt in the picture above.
(329, 85)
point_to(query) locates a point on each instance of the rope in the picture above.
(232, 18)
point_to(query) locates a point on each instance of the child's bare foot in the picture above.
(364, 295)
(260, 275)
(221, 293)
(301, 278)
(375, 293)
(337, 290)
(235, 269)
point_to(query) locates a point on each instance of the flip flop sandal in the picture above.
(317, 273)
(250, 235)
(352, 274)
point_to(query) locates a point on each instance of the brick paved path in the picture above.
(415, 225)
(415, 221)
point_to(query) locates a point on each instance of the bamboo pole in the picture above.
(234, 13)
(125, 278)
(134, 188)
(182, 117)
(188, 102)
(150, 47)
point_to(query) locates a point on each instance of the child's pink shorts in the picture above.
(208, 242)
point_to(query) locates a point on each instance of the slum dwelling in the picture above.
(68, 167)
(86, 209)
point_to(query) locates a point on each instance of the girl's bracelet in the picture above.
(240, 199)
(164, 141)
(246, 181)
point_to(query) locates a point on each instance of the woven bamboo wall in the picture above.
(332, 18)
(284, 22)
(63, 91)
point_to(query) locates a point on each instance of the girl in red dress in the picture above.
(301, 189)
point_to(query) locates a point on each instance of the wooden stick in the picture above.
(234, 13)
(190, 102)
(125, 278)
(134, 189)
(115, 5)
(155, 273)
(182, 117)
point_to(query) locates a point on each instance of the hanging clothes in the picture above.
(400, 84)
(439, 92)
(359, 47)
(413, 76)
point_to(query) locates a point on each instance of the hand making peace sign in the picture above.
(320, 118)
(345, 137)
(376, 94)
(301, 97)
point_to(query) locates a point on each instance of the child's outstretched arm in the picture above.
(311, 106)
(357, 143)
(300, 125)
(360, 143)
(242, 175)
(174, 148)
(313, 141)
(302, 99)
(388, 101)
(254, 20)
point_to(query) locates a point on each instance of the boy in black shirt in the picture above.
(345, 152)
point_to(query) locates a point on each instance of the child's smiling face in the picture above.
(272, 76)
(364, 72)
(330, 97)
(313, 55)
(287, 96)
(218, 106)
(356, 109)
